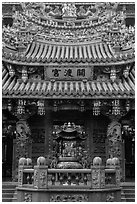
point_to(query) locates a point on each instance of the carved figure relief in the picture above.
(23, 129)
(49, 13)
(69, 10)
(23, 141)
(114, 139)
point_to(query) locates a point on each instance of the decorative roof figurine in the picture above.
(69, 10)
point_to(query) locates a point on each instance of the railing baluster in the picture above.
(85, 179)
(77, 179)
(69, 179)
(53, 179)
(61, 178)
(28, 179)
(32, 179)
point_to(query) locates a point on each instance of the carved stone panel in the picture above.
(69, 198)
(114, 139)
(95, 178)
(28, 197)
(110, 197)
(23, 142)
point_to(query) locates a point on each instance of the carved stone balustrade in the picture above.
(47, 184)
(69, 177)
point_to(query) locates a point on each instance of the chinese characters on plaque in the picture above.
(68, 73)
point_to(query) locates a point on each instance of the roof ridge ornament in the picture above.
(69, 11)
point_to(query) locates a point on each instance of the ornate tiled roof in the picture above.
(39, 53)
(67, 89)
(94, 32)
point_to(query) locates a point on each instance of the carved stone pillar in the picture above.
(114, 142)
(23, 143)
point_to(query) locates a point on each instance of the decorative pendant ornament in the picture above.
(11, 70)
(113, 74)
(24, 74)
(116, 107)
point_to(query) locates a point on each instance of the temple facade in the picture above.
(68, 85)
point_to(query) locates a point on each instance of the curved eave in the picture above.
(94, 53)
(69, 97)
(71, 61)
(68, 89)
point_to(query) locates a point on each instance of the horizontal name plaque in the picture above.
(68, 73)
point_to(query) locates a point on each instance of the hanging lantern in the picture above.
(115, 107)
(127, 105)
(24, 74)
(113, 74)
(82, 108)
(11, 71)
(96, 108)
(55, 108)
(21, 106)
(9, 106)
(41, 107)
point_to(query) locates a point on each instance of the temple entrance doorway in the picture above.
(8, 138)
(129, 158)
(128, 134)
(7, 157)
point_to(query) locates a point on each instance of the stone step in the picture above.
(8, 186)
(129, 195)
(128, 192)
(9, 199)
(123, 199)
(130, 199)
(8, 190)
(8, 195)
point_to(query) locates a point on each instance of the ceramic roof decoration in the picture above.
(94, 33)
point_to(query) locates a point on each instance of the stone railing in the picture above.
(41, 177)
